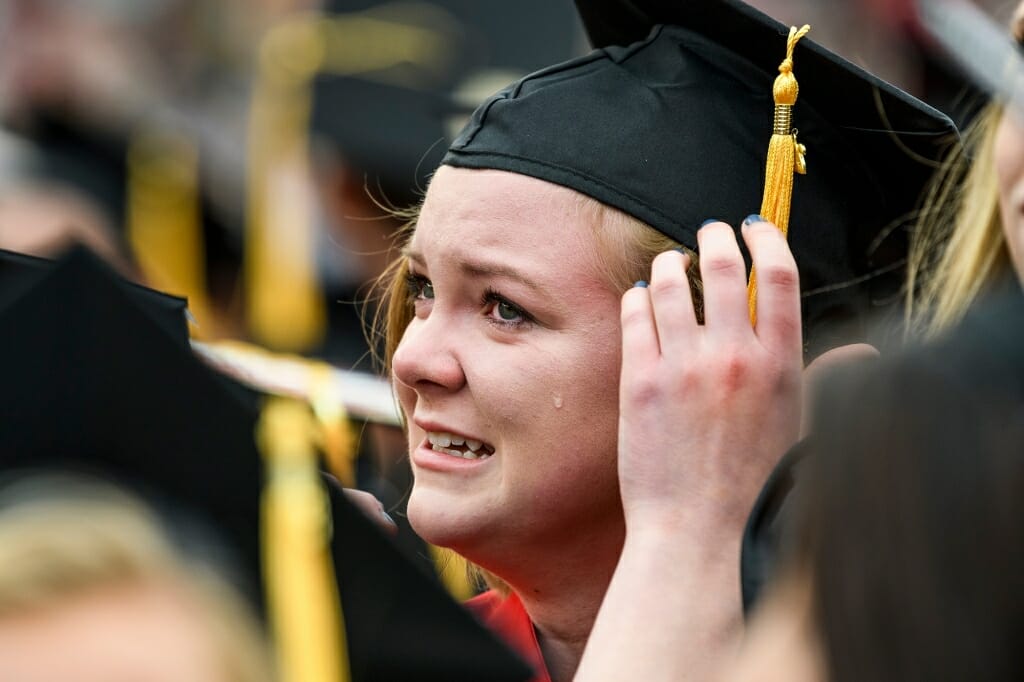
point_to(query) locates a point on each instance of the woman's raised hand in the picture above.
(707, 410)
(705, 413)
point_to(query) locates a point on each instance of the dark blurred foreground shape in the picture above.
(910, 519)
(898, 546)
(93, 385)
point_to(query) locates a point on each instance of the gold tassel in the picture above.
(338, 442)
(302, 595)
(284, 303)
(785, 155)
(163, 218)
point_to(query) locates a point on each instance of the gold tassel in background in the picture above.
(285, 309)
(785, 155)
(302, 595)
(163, 218)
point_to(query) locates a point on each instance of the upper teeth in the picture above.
(443, 439)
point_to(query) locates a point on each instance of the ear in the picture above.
(822, 366)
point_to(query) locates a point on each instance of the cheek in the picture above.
(1009, 159)
(1009, 168)
(569, 403)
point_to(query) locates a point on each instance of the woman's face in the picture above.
(1009, 160)
(509, 372)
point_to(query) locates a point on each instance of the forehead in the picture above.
(521, 220)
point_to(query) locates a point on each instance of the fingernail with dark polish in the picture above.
(753, 218)
(709, 221)
(641, 284)
(387, 517)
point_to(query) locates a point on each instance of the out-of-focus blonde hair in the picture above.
(55, 549)
(958, 249)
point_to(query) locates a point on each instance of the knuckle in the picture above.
(735, 372)
(789, 328)
(720, 264)
(642, 390)
(780, 276)
(732, 368)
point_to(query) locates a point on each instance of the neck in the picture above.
(561, 587)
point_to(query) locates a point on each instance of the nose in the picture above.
(426, 358)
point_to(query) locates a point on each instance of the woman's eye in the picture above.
(507, 311)
(419, 288)
(503, 312)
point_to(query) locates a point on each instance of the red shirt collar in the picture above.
(506, 617)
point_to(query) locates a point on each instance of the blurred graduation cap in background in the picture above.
(408, 68)
(94, 385)
(670, 120)
(380, 101)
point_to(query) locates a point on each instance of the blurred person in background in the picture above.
(90, 90)
(91, 590)
(970, 240)
(906, 561)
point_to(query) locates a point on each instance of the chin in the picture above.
(444, 522)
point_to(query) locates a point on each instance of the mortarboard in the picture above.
(389, 115)
(20, 272)
(669, 120)
(92, 384)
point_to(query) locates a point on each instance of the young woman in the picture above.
(512, 315)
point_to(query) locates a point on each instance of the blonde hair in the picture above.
(52, 550)
(958, 249)
(624, 248)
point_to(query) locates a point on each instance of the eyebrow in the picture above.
(480, 270)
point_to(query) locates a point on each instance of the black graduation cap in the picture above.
(669, 120)
(20, 272)
(91, 384)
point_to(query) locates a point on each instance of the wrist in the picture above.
(690, 523)
(670, 547)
